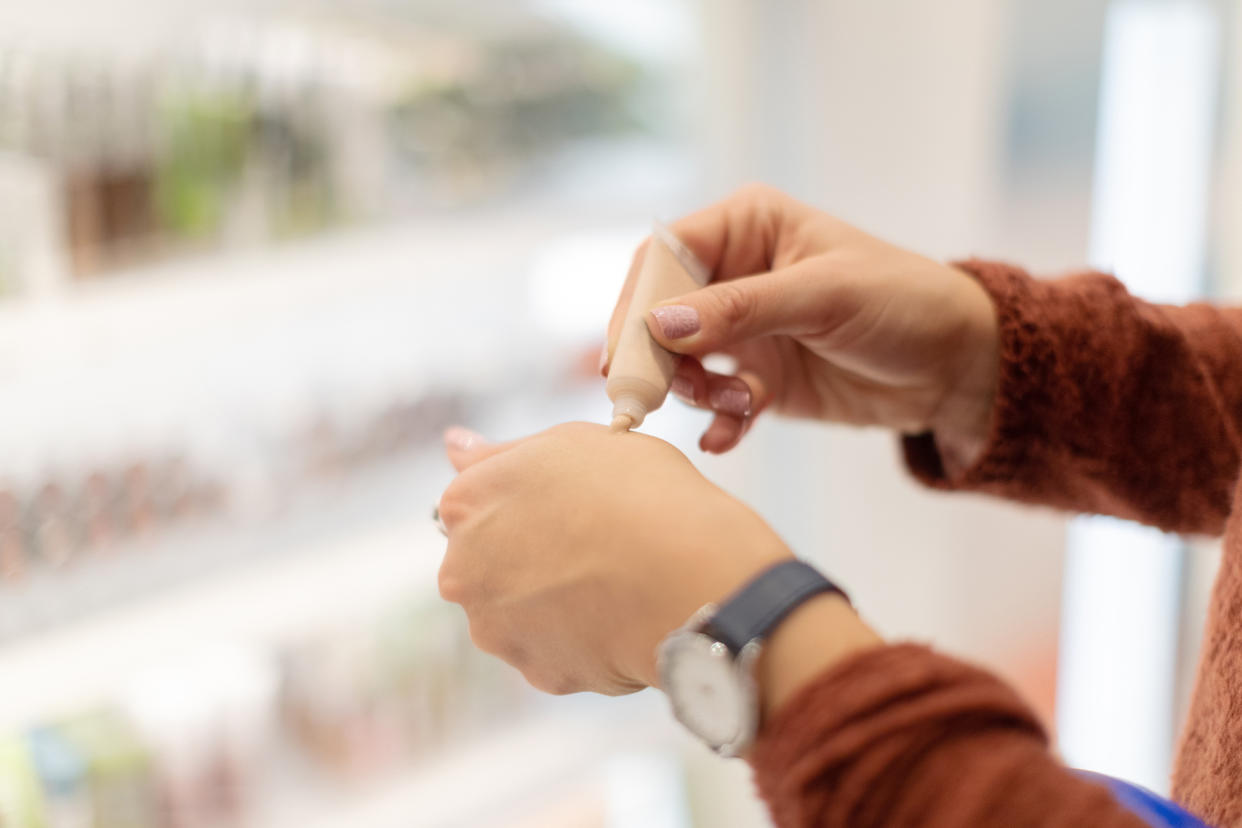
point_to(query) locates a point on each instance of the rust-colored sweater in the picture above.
(1106, 404)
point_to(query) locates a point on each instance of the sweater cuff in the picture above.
(877, 710)
(1027, 366)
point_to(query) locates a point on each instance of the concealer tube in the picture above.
(641, 371)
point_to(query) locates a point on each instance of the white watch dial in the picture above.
(702, 682)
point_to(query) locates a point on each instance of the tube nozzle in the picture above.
(628, 411)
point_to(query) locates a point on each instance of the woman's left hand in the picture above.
(576, 550)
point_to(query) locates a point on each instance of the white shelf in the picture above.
(219, 350)
(486, 782)
(209, 289)
(235, 342)
(70, 668)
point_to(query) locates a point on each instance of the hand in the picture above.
(575, 551)
(825, 322)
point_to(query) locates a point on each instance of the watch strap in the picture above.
(755, 609)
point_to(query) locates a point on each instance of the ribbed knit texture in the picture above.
(899, 735)
(1105, 404)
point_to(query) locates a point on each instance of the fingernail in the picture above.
(462, 439)
(603, 359)
(676, 321)
(683, 388)
(735, 401)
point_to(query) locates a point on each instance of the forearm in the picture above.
(899, 735)
(1105, 403)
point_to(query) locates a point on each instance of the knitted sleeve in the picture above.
(899, 735)
(1106, 403)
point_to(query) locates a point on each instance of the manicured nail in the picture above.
(683, 388)
(676, 321)
(735, 401)
(462, 439)
(603, 359)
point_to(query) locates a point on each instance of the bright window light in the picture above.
(1115, 694)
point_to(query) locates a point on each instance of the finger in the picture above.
(736, 401)
(622, 307)
(728, 394)
(741, 395)
(735, 237)
(741, 234)
(795, 301)
(722, 434)
(690, 382)
(465, 447)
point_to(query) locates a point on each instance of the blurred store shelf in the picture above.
(305, 385)
(267, 373)
(485, 775)
(486, 782)
(252, 336)
(215, 293)
(264, 603)
(251, 264)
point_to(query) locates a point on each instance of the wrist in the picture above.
(962, 423)
(733, 664)
(817, 635)
(678, 596)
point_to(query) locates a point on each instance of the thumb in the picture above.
(465, 447)
(789, 301)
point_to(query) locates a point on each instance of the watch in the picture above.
(707, 667)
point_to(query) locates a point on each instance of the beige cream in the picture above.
(641, 371)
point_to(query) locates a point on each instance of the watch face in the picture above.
(701, 680)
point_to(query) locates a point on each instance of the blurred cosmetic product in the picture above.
(365, 699)
(255, 130)
(53, 535)
(63, 779)
(12, 540)
(118, 768)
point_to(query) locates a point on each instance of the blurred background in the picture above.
(255, 256)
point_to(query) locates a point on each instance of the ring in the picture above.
(435, 517)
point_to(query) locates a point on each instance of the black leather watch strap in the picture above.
(755, 609)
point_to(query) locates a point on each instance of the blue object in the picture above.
(1153, 809)
(61, 769)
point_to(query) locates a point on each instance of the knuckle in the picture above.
(733, 307)
(755, 192)
(454, 503)
(551, 683)
(451, 587)
(482, 637)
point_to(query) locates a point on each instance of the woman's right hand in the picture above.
(827, 322)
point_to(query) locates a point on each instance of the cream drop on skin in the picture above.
(641, 370)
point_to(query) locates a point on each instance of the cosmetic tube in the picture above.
(641, 371)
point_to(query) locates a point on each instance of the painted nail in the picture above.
(735, 401)
(462, 439)
(683, 388)
(676, 321)
(603, 359)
